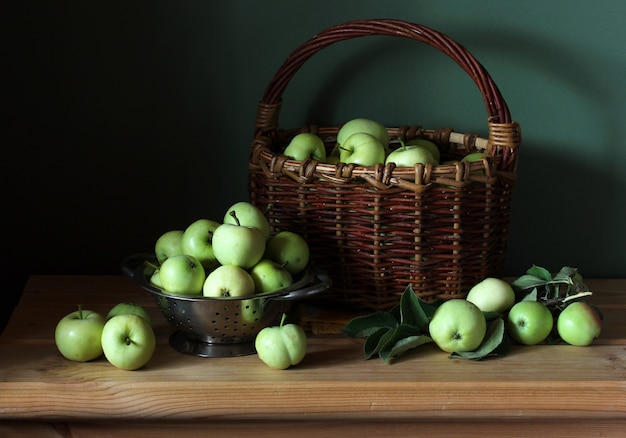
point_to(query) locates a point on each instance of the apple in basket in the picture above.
(306, 145)
(238, 245)
(422, 142)
(362, 149)
(408, 156)
(365, 125)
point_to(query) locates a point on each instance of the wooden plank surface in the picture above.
(543, 383)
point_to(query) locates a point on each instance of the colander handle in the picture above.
(323, 283)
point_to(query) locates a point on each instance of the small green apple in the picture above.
(474, 156)
(77, 335)
(168, 244)
(529, 322)
(135, 309)
(196, 241)
(290, 250)
(492, 295)
(362, 149)
(579, 324)
(422, 142)
(306, 145)
(228, 281)
(458, 326)
(249, 215)
(269, 276)
(365, 125)
(238, 245)
(282, 346)
(182, 275)
(128, 341)
(408, 156)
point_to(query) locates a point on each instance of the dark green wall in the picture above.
(125, 119)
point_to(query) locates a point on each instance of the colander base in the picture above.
(183, 344)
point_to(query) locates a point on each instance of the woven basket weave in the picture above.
(378, 229)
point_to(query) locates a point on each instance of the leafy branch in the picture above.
(405, 327)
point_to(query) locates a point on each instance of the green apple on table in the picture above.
(492, 295)
(270, 276)
(239, 245)
(282, 346)
(182, 275)
(579, 324)
(77, 335)
(408, 156)
(364, 125)
(529, 322)
(128, 341)
(168, 244)
(362, 149)
(306, 145)
(290, 250)
(249, 215)
(228, 281)
(458, 326)
(197, 241)
(123, 308)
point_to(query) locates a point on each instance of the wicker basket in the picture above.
(378, 229)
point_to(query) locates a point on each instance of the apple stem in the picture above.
(80, 311)
(234, 215)
(282, 320)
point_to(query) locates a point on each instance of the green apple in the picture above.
(155, 279)
(334, 156)
(182, 275)
(77, 335)
(368, 126)
(362, 149)
(492, 295)
(238, 245)
(282, 346)
(579, 324)
(290, 250)
(168, 244)
(196, 241)
(246, 214)
(422, 142)
(270, 276)
(135, 309)
(458, 326)
(474, 156)
(228, 281)
(408, 156)
(306, 145)
(529, 322)
(128, 341)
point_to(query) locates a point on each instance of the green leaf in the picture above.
(411, 312)
(389, 341)
(495, 343)
(404, 345)
(528, 282)
(364, 326)
(373, 342)
(539, 272)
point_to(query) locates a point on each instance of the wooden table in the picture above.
(555, 390)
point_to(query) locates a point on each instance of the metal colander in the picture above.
(222, 327)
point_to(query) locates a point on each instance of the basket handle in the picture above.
(502, 131)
